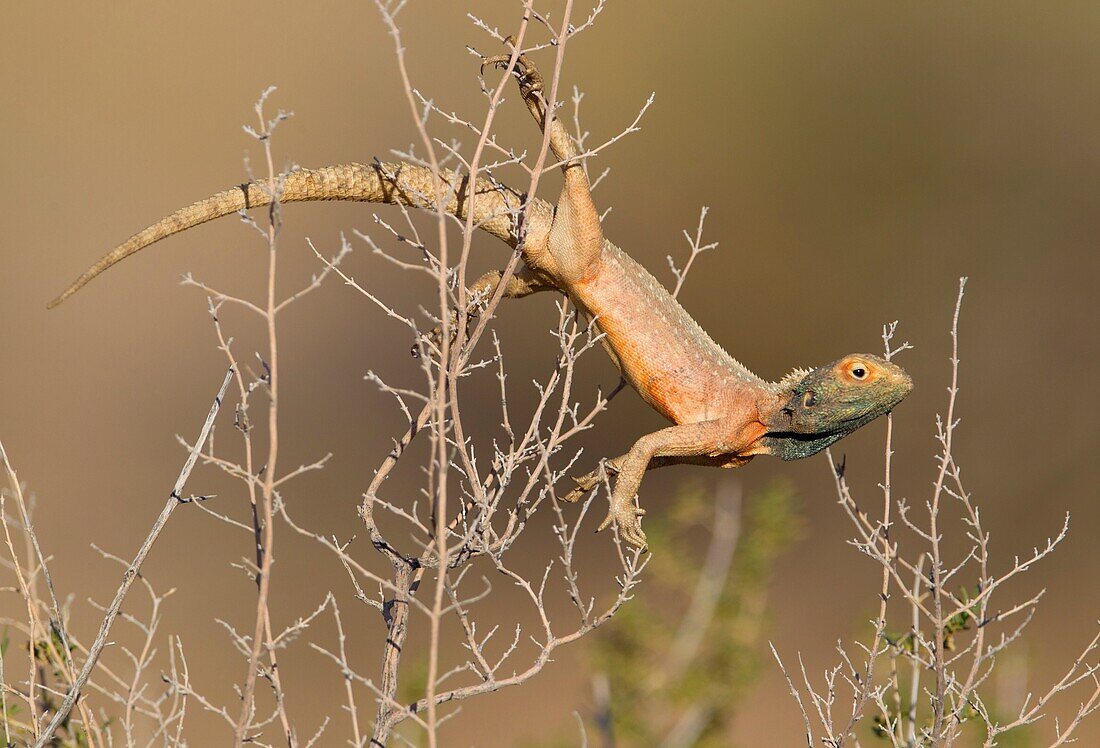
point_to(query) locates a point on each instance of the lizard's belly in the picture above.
(646, 335)
(660, 374)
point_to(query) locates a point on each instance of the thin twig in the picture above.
(174, 500)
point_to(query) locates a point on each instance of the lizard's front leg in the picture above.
(587, 482)
(713, 440)
(523, 282)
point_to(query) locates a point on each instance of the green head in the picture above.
(832, 401)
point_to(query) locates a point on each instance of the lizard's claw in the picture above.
(587, 482)
(530, 79)
(584, 485)
(628, 519)
(494, 61)
(434, 338)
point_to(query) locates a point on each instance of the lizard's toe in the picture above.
(530, 80)
(574, 496)
(434, 338)
(586, 483)
(583, 486)
(429, 340)
(606, 522)
(495, 61)
(631, 531)
(628, 521)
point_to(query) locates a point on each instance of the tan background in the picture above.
(858, 158)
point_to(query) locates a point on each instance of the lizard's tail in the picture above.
(496, 207)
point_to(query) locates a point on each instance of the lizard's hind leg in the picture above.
(575, 243)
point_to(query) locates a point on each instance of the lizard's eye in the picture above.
(859, 371)
(809, 399)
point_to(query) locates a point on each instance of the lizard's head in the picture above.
(832, 401)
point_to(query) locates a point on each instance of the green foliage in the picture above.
(414, 680)
(958, 622)
(49, 657)
(881, 725)
(655, 685)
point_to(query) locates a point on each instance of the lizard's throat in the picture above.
(790, 446)
(787, 444)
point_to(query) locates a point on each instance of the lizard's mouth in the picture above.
(842, 423)
(788, 444)
(840, 426)
(805, 436)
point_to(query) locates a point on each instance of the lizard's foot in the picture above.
(434, 338)
(530, 79)
(584, 484)
(587, 482)
(628, 518)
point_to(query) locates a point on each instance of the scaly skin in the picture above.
(723, 414)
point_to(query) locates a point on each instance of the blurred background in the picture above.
(857, 158)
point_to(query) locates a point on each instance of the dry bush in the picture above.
(427, 559)
(923, 676)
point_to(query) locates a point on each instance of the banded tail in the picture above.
(496, 207)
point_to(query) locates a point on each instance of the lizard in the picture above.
(722, 414)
